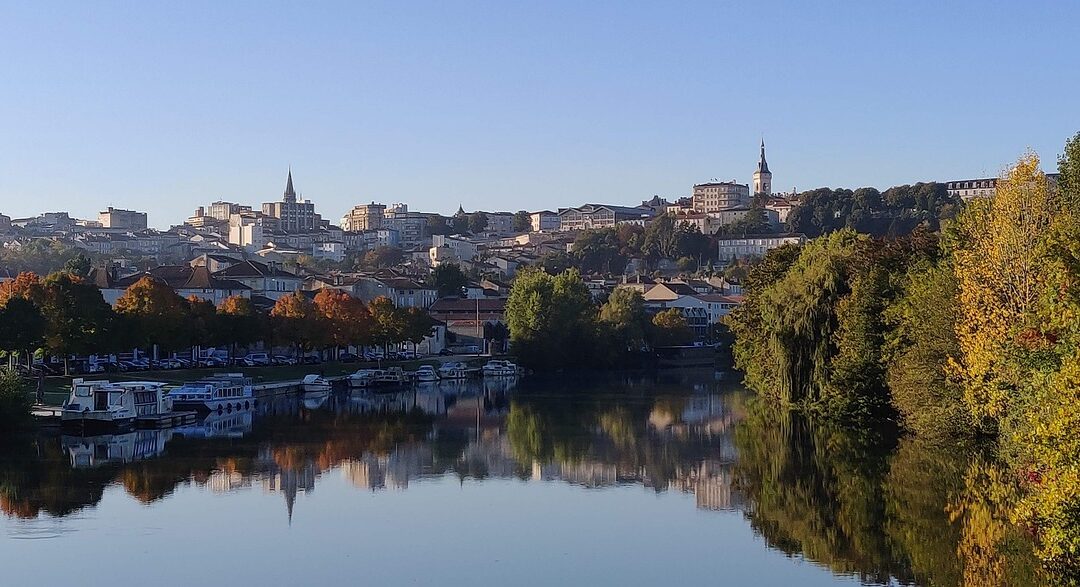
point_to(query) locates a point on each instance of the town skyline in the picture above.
(161, 109)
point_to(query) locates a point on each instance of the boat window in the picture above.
(82, 391)
(116, 398)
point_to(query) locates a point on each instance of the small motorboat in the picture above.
(455, 370)
(363, 378)
(98, 404)
(315, 384)
(500, 368)
(391, 377)
(425, 374)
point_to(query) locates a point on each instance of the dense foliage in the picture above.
(975, 332)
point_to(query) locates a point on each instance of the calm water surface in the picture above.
(608, 481)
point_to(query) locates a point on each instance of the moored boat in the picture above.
(98, 404)
(226, 391)
(425, 374)
(456, 370)
(315, 384)
(500, 368)
(363, 377)
(391, 377)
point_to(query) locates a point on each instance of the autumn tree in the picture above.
(158, 314)
(1000, 274)
(295, 320)
(26, 285)
(345, 319)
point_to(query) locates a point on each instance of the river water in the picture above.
(613, 480)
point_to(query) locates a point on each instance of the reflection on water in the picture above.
(863, 506)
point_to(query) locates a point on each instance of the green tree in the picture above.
(449, 280)
(238, 323)
(669, 328)
(624, 311)
(14, 403)
(22, 326)
(388, 322)
(522, 221)
(598, 251)
(381, 257)
(478, 222)
(552, 319)
(78, 321)
(78, 265)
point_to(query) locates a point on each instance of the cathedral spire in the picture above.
(290, 193)
(762, 166)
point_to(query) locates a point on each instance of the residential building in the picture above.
(126, 219)
(754, 245)
(410, 226)
(185, 280)
(781, 206)
(364, 217)
(544, 221)
(5, 222)
(265, 280)
(331, 251)
(294, 215)
(762, 175)
(601, 216)
(715, 196)
(967, 189)
(466, 317)
(248, 231)
(463, 249)
(499, 222)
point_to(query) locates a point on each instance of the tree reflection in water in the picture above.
(862, 504)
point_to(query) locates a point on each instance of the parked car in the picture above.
(445, 353)
(283, 360)
(212, 362)
(257, 359)
(406, 355)
(311, 360)
(347, 358)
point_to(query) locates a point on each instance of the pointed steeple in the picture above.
(290, 193)
(762, 166)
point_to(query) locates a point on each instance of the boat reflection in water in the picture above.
(112, 449)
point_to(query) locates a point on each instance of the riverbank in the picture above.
(57, 388)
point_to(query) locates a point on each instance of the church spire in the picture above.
(290, 193)
(762, 166)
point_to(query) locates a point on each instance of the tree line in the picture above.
(972, 330)
(554, 323)
(64, 315)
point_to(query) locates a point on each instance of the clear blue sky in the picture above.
(509, 105)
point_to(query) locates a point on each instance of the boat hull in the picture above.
(96, 421)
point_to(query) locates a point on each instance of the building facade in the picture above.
(293, 215)
(592, 216)
(716, 196)
(364, 217)
(754, 245)
(126, 219)
(544, 221)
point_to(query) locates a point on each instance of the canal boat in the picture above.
(425, 374)
(225, 391)
(499, 368)
(98, 404)
(315, 384)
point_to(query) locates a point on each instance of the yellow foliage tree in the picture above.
(1000, 276)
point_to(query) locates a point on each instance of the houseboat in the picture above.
(98, 404)
(425, 374)
(499, 368)
(227, 391)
